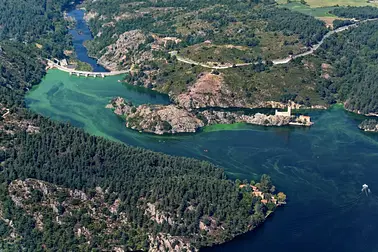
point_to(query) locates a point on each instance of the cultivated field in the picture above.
(328, 3)
(305, 9)
(321, 8)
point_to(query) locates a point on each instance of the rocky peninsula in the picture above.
(370, 125)
(172, 119)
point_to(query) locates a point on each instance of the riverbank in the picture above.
(369, 125)
(317, 166)
(81, 33)
(172, 119)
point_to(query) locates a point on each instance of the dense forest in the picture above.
(309, 29)
(353, 56)
(199, 205)
(155, 194)
(360, 13)
(35, 21)
(223, 22)
(68, 157)
(369, 125)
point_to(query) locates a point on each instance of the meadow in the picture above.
(330, 3)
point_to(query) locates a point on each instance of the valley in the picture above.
(73, 177)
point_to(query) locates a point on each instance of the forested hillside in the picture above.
(35, 21)
(361, 13)
(148, 37)
(62, 189)
(241, 23)
(182, 192)
(228, 34)
(353, 57)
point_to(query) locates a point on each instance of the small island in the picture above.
(172, 119)
(370, 125)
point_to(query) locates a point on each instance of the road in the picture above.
(6, 113)
(275, 61)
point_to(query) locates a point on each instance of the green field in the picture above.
(329, 3)
(305, 9)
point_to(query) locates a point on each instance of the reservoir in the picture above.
(321, 169)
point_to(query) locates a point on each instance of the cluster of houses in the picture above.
(257, 193)
(264, 199)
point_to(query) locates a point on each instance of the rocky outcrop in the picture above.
(171, 119)
(158, 119)
(369, 125)
(209, 90)
(124, 52)
(90, 15)
(165, 242)
(283, 105)
(225, 117)
(10, 122)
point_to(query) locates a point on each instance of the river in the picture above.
(321, 168)
(80, 34)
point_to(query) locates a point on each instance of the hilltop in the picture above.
(171, 46)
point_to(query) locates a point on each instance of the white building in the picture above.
(288, 113)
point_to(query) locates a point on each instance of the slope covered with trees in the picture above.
(353, 56)
(224, 33)
(35, 21)
(157, 197)
(361, 13)
(182, 191)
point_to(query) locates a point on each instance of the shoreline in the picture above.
(173, 119)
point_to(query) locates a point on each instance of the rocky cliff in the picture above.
(125, 51)
(209, 90)
(96, 217)
(171, 119)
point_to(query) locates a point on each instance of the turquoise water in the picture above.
(321, 168)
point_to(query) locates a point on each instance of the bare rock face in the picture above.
(161, 119)
(283, 105)
(165, 242)
(157, 119)
(90, 15)
(124, 52)
(266, 120)
(119, 106)
(209, 90)
(223, 117)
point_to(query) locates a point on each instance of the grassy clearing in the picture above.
(329, 3)
(305, 9)
(272, 45)
(295, 81)
(177, 77)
